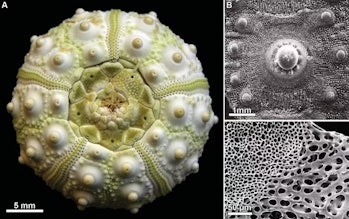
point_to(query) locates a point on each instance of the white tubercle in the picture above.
(90, 176)
(33, 38)
(176, 151)
(155, 136)
(202, 115)
(13, 107)
(94, 54)
(96, 151)
(215, 119)
(83, 199)
(138, 44)
(192, 164)
(10, 107)
(126, 166)
(33, 149)
(32, 103)
(132, 192)
(177, 110)
(79, 11)
(147, 23)
(86, 30)
(42, 45)
(59, 103)
(154, 73)
(153, 14)
(189, 50)
(175, 60)
(61, 61)
(56, 136)
(21, 160)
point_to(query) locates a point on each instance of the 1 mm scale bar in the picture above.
(239, 213)
(242, 114)
(24, 210)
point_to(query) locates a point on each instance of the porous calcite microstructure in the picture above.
(286, 170)
(111, 108)
(288, 59)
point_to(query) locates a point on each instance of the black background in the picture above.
(200, 23)
(341, 127)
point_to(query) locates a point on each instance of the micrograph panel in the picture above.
(286, 169)
(287, 59)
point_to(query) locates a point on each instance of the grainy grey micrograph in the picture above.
(288, 170)
(287, 59)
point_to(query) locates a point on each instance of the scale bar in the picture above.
(242, 114)
(239, 213)
(24, 210)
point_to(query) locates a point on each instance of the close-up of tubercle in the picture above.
(286, 60)
(112, 109)
(286, 170)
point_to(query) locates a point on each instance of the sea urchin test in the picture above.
(111, 108)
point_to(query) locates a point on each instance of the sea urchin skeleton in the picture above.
(111, 108)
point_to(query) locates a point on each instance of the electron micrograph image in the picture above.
(286, 170)
(287, 59)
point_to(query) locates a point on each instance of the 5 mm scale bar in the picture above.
(24, 210)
